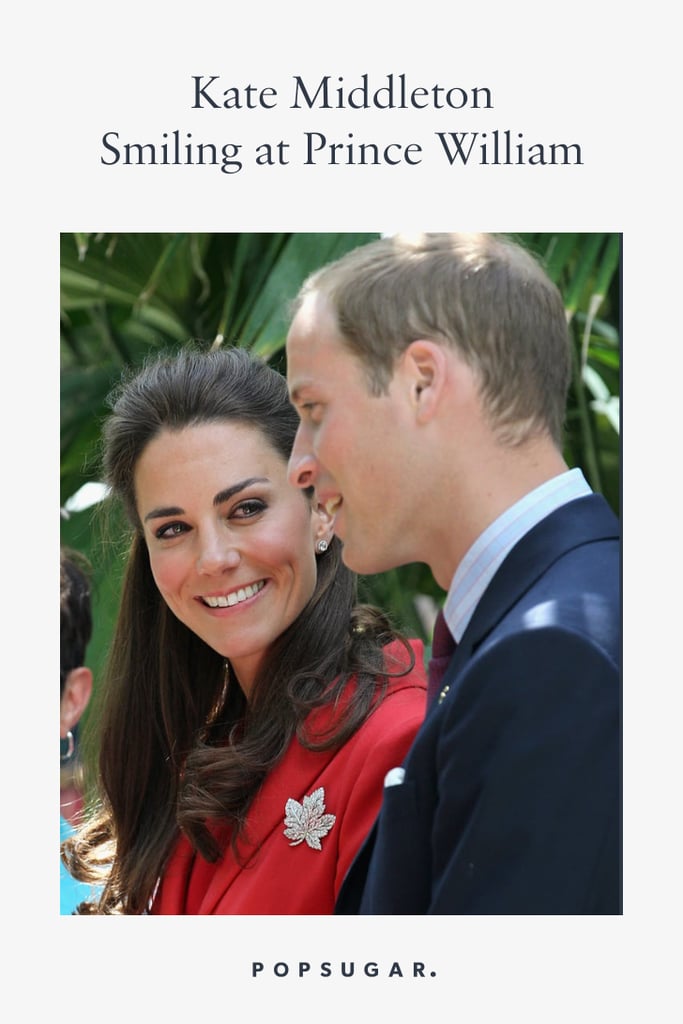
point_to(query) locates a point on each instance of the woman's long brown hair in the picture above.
(178, 746)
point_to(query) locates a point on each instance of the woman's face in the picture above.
(231, 542)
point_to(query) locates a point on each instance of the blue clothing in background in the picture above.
(71, 892)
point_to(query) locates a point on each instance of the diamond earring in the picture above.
(321, 546)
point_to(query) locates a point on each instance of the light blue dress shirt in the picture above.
(484, 558)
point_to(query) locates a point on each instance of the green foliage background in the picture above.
(126, 295)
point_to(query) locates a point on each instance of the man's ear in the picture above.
(75, 697)
(425, 364)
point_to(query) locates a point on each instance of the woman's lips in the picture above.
(236, 596)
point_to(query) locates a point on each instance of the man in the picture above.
(430, 376)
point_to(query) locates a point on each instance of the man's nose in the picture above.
(302, 470)
(303, 467)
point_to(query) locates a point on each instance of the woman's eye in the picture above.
(247, 509)
(170, 530)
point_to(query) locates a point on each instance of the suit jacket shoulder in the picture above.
(511, 796)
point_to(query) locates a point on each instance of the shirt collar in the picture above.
(483, 559)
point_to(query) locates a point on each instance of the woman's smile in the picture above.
(234, 597)
(231, 543)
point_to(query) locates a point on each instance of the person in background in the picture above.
(75, 689)
(252, 706)
(430, 375)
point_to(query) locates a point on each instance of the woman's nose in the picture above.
(217, 555)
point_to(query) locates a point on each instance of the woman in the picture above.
(252, 708)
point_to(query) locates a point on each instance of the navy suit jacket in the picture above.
(511, 801)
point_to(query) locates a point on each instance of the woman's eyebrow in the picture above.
(229, 492)
(224, 495)
(161, 513)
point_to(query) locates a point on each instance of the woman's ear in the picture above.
(75, 697)
(323, 526)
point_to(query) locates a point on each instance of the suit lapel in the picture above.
(579, 522)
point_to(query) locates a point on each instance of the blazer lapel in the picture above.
(294, 777)
(579, 522)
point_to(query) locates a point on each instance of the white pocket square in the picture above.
(394, 777)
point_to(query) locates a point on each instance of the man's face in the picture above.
(348, 445)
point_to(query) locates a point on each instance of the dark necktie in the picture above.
(443, 646)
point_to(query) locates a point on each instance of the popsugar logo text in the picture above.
(341, 969)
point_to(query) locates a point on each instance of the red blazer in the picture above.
(329, 799)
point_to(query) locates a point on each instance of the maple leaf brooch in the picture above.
(307, 820)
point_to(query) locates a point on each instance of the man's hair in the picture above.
(75, 611)
(483, 294)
